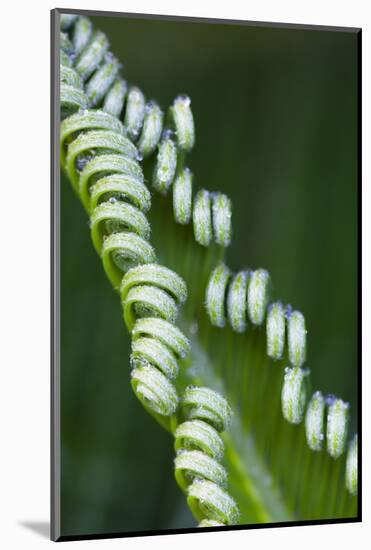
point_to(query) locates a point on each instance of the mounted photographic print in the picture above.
(205, 192)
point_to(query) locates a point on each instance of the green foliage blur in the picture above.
(276, 122)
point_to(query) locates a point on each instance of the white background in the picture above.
(24, 300)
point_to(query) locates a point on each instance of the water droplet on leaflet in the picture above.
(167, 134)
(148, 108)
(81, 162)
(330, 399)
(186, 100)
(288, 311)
(193, 328)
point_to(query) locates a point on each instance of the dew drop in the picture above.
(330, 399)
(186, 100)
(82, 161)
(288, 311)
(148, 108)
(193, 328)
(167, 134)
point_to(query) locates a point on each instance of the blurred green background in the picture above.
(276, 122)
